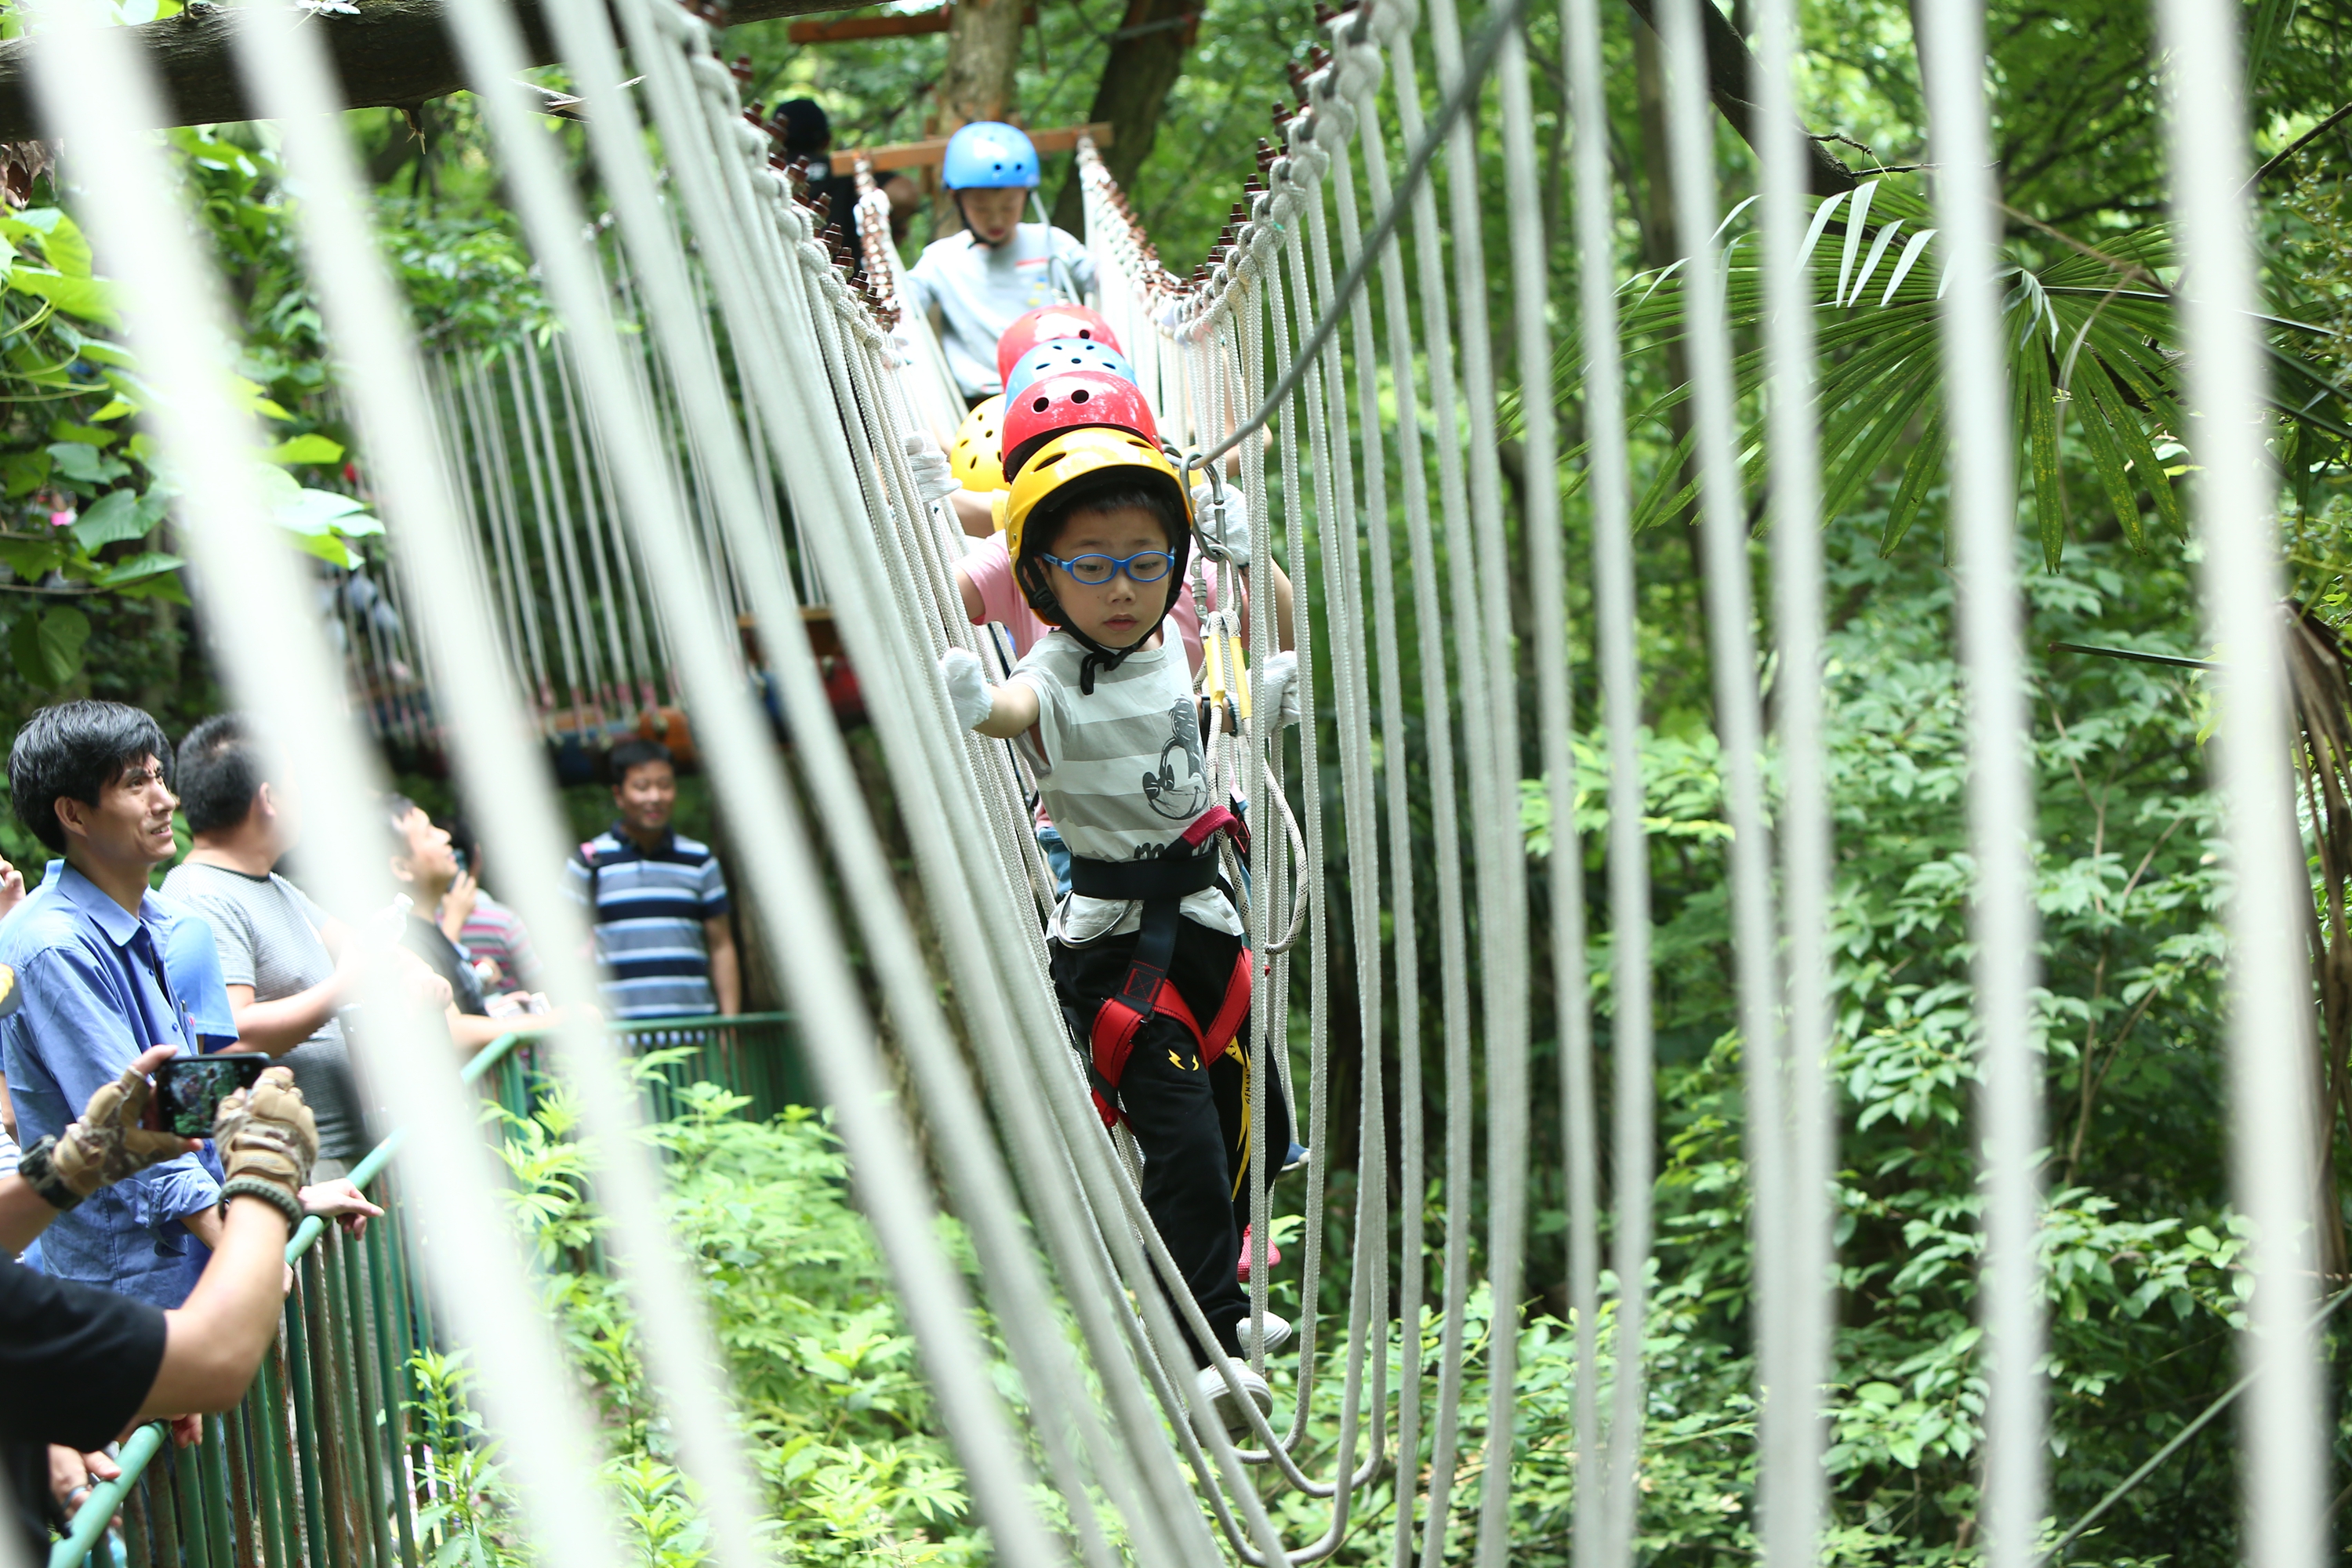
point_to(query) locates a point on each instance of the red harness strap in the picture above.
(1117, 1023)
(1146, 991)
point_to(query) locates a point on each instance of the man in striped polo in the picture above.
(657, 898)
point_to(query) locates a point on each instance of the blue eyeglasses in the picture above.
(1094, 571)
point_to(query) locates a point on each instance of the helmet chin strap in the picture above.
(1098, 658)
(970, 229)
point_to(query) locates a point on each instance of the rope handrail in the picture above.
(139, 1450)
(1506, 16)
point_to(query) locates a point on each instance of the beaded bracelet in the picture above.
(37, 1165)
(269, 1192)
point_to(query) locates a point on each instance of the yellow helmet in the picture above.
(1093, 457)
(977, 457)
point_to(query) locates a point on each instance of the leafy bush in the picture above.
(837, 1421)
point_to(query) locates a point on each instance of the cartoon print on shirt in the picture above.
(1179, 788)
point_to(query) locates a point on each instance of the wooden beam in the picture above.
(848, 27)
(392, 54)
(927, 155)
(904, 25)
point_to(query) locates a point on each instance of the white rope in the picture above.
(568, 540)
(883, 652)
(498, 503)
(450, 426)
(1796, 1362)
(618, 676)
(94, 86)
(2001, 916)
(550, 561)
(1738, 706)
(776, 853)
(1358, 804)
(1437, 723)
(2287, 1468)
(1361, 81)
(596, 487)
(1604, 1514)
(1508, 1093)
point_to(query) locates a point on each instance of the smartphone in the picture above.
(189, 1090)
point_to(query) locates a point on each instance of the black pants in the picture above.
(1190, 1120)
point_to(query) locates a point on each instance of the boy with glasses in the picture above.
(1148, 957)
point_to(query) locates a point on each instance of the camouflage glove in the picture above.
(107, 1144)
(265, 1135)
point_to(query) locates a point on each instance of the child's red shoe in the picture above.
(1273, 1257)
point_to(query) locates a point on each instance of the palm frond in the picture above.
(2092, 337)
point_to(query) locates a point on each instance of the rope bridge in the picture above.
(719, 439)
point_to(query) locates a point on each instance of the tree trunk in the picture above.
(1147, 56)
(983, 54)
(1661, 246)
(394, 53)
(1730, 70)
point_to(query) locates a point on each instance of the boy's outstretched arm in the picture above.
(999, 711)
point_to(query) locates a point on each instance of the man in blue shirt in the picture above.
(90, 779)
(191, 962)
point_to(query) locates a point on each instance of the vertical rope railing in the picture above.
(1796, 1362)
(2287, 1463)
(1605, 1513)
(2001, 917)
(92, 86)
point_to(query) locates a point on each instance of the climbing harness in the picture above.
(1161, 885)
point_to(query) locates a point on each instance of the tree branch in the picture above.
(1730, 68)
(395, 53)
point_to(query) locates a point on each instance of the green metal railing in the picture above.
(752, 1054)
(322, 1465)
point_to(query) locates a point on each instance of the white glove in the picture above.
(1225, 526)
(934, 480)
(967, 688)
(898, 349)
(1277, 687)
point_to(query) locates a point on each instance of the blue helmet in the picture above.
(989, 155)
(1063, 355)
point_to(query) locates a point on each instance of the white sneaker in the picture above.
(1275, 1332)
(1210, 1385)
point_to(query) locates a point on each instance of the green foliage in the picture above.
(85, 504)
(467, 1524)
(2089, 338)
(838, 1422)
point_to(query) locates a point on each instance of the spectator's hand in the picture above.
(968, 690)
(12, 888)
(343, 1202)
(265, 1133)
(72, 1474)
(187, 1431)
(425, 987)
(458, 903)
(108, 1144)
(1277, 687)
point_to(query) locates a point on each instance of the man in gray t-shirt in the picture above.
(276, 947)
(271, 951)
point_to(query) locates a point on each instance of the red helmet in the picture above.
(1072, 401)
(1044, 324)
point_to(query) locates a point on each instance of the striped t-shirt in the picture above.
(649, 910)
(1122, 773)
